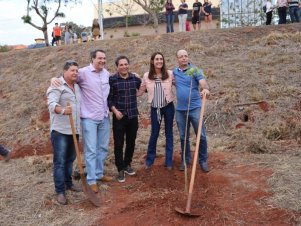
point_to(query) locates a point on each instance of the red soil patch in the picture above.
(264, 106)
(230, 194)
(44, 117)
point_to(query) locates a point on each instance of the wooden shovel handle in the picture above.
(78, 156)
(196, 155)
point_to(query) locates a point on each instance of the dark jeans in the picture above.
(282, 15)
(294, 14)
(124, 127)
(269, 18)
(3, 151)
(63, 158)
(167, 113)
(169, 22)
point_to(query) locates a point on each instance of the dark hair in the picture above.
(69, 63)
(121, 58)
(94, 52)
(152, 71)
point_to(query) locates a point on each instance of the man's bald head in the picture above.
(182, 58)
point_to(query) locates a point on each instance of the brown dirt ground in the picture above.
(253, 129)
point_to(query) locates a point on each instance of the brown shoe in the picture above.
(61, 199)
(75, 188)
(94, 188)
(105, 179)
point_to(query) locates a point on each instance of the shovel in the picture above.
(92, 196)
(187, 211)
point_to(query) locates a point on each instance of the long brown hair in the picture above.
(152, 71)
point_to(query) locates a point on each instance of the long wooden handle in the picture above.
(79, 159)
(196, 155)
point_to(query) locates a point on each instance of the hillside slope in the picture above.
(242, 65)
(253, 128)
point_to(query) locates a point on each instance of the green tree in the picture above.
(43, 9)
(153, 8)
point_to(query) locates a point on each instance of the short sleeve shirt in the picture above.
(196, 8)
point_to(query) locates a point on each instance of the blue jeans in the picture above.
(193, 118)
(169, 22)
(96, 135)
(63, 158)
(294, 14)
(167, 113)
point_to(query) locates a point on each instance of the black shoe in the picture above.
(129, 171)
(204, 167)
(121, 176)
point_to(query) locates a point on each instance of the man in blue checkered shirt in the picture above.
(122, 102)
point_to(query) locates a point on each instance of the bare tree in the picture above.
(42, 9)
(152, 7)
(124, 8)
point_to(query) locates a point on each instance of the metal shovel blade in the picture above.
(91, 195)
(185, 213)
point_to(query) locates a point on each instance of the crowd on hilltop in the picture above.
(69, 36)
(283, 6)
(197, 9)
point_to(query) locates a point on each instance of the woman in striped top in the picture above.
(158, 82)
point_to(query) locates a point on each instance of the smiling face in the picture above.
(182, 58)
(158, 61)
(123, 67)
(99, 61)
(70, 75)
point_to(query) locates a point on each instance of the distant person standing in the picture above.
(294, 10)
(68, 35)
(208, 12)
(61, 133)
(182, 15)
(169, 7)
(95, 29)
(196, 13)
(53, 39)
(282, 7)
(269, 12)
(57, 34)
(5, 153)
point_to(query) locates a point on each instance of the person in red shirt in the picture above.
(57, 34)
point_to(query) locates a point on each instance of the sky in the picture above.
(13, 31)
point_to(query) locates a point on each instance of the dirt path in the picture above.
(231, 194)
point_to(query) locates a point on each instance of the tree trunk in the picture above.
(46, 37)
(156, 22)
(126, 23)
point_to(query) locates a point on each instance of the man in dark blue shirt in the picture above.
(122, 102)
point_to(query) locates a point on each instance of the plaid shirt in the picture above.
(123, 94)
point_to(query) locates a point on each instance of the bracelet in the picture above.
(63, 111)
